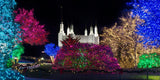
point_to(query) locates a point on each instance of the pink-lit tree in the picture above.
(32, 32)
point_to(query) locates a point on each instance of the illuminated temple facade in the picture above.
(92, 38)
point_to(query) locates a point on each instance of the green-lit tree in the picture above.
(17, 52)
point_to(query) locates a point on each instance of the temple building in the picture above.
(92, 37)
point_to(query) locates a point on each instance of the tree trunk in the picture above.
(52, 59)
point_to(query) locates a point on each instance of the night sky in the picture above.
(81, 13)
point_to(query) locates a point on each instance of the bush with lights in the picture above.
(83, 56)
(9, 63)
(149, 60)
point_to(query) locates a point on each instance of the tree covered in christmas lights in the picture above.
(10, 63)
(32, 32)
(69, 41)
(149, 11)
(84, 56)
(51, 50)
(124, 41)
(149, 60)
(9, 36)
(17, 51)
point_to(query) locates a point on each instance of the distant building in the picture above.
(93, 37)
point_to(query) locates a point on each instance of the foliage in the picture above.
(9, 63)
(149, 11)
(69, 41)
(123, 40)
(17, 51)
(33, 33)
(51, 49)
(83, 56)
(9, 37)
(10, 74)
(149, 60)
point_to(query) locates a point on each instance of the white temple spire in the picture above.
(95, 31)
(85, 32)
(91, 31)
(72, 29)
(62, 28)
(68, 31)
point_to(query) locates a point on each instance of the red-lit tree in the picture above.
(32, 32)
(69, 41)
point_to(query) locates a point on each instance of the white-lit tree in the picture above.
(124, 41)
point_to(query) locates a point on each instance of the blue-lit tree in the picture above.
(51, 50)
(149, 11)
(9, 37)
